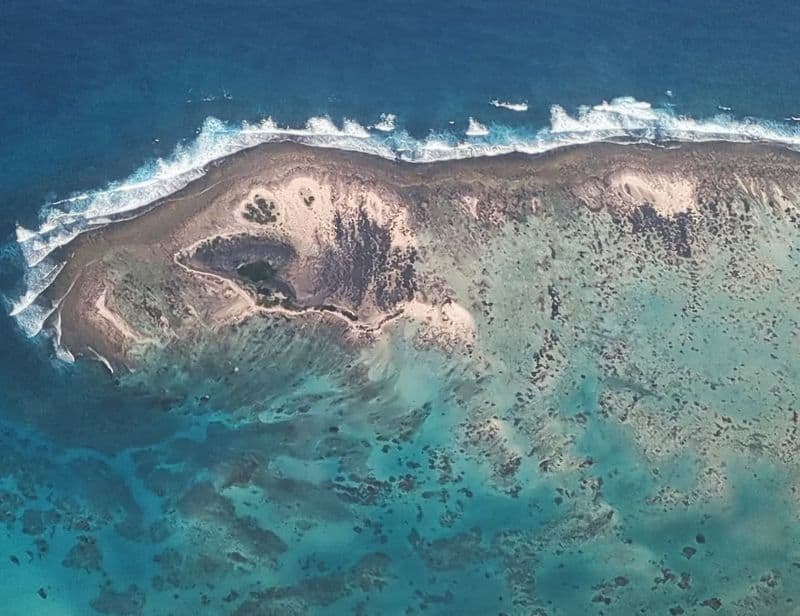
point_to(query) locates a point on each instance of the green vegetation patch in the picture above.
(258, 271)
(260, 211)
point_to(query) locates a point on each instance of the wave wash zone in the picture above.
(583, 404)
(622, 119)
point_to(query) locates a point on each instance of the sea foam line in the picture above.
(620, 119)
(387, 123)
(509, 105)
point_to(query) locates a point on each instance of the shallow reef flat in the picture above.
(562, 384)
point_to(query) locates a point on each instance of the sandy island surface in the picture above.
(324, 234)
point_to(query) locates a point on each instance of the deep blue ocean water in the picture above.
(87, 87)
(92, 91)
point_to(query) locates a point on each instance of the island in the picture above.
(470, 370)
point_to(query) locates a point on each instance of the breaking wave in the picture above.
(476, 129)
(622, 119)
(387, 123)
(508, 105)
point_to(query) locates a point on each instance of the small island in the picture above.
(344, 237)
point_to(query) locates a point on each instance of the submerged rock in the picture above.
(129, 602)
(84, 555)
(32, 522)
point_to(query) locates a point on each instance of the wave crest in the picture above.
(387, 123)
(476, 129)
(509, 105)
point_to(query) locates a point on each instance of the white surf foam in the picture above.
(476, 129)
(620, 119)
(31, 320)
(627, 118)
(38, 279)
(386, 123)
(509, 106)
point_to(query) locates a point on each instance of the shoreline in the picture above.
(480, 160)
(151, 234)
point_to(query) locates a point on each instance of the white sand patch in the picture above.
(449, 319)
(470, 205)
(668, 195)
(113, 319)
